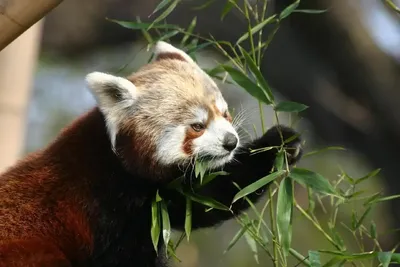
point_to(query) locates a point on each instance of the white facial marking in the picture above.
(222, 106)
(104, 86)
(169, 146)
(211, 142)
(201, 115)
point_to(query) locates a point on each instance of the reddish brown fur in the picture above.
(189, 137)
(42, 198)
(170, 56)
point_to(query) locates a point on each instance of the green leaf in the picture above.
(166, 226)
(369, 175)
(198, 47)
(209, 177)
(237, 236)
(166, 12)
(256, 28)
(372, 230)
(158, 198)
(188, 218)
(314, 258)
(323, 150)
(257, 73)
(171, 251)
(384, 199)
(200, 169)
(384, 258)
(155, 224)
(227, 7)
(143, 26)
(366, 212)
(288, 10)
(333, 262)
(284, 212)
(168, 35)
(395, 258)
(206, 201)
(253, 245)
(310, 11)
(312, 179)
(288, 106)
(243, 81)
(190, 29)
(279, 160)
(205, 5)
(257, 185)
(160, 6)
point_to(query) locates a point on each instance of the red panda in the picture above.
(85, 199)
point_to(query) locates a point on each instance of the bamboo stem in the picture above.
(16, 16)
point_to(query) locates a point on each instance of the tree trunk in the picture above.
(17, 64)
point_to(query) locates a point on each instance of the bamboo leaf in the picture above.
(143, 26)
(372, 230)
(361, 220)
(288, 106)
(257, 185)
(369, 175)
(314, 180)
(279, 160)
(253, 245)
(166, 226)
(385, 258)
(314, 258)
(284, 212)
(190, 29)
(209, 177)
(168, 35)
(188, 218)
(160, 6)
(243, 81)
(155, 224)
(257, 28)
(205, 5)
(237, 236)
(166, 12)
(206, 201)
(310, 11)
(382, 199)
(227, 8)
(323, 150)
(288, 10)
(200, 169)
(258, 75)
(198, 47)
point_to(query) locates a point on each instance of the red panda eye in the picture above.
(225, 114)
(198, 127)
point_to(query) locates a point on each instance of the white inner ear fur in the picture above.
(113, 95)
(162, 47)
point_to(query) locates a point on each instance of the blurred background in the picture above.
(344, 64)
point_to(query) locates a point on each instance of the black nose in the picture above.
(230, 141)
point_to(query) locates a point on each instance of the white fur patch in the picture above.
(103, 87)
(211, 142)
(201, 115)
(162, 47)
(169, 147)
(222, 106)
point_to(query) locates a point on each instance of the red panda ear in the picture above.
(113, 95)
(163, 50)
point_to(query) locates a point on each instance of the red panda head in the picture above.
(168, 113)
